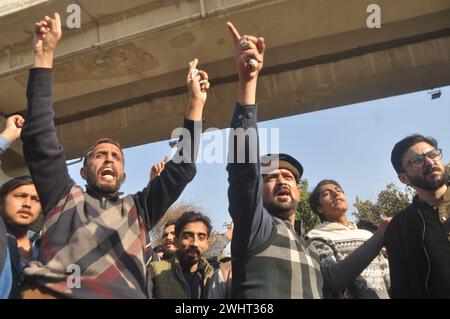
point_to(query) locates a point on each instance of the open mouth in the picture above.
(283, 193)
(107, 173)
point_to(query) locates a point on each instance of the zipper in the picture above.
(426, 254)
(181, 277)
(103, 202)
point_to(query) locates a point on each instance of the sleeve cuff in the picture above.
(244, 116)
(4, 144)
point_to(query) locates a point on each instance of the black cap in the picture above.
(281, 160)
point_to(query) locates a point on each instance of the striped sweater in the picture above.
(351, 261)
(92, 246)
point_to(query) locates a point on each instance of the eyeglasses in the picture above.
(419, 159)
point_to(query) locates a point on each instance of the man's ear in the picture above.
(123, 179)
(403, 178)
(83, 172)
(319, 209)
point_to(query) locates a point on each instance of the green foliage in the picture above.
(390, 201)
(304, 211)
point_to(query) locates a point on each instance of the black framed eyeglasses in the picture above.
(419, 159)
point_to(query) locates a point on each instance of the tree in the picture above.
(390, 201)
(304, 212)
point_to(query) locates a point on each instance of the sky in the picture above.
(350, 144)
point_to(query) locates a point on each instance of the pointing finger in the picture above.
(57, 21)
(234, 32)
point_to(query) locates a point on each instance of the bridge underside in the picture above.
(122, 75)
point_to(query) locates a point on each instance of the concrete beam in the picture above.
(122, 75)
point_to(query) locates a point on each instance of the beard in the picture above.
(186, 260)
(18, 224)
(282, 210)
(102, 189)
(168, 253)
(427, 183)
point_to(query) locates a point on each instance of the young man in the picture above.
(94, 240)
(20, 208)
(351, 261)
(269, 259)
(186, 275)
(418, 238)
(10, 133)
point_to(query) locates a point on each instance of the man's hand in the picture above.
(13, 127)
(249, 59)
(383, 225)
(158, 168)
(46, 35)
(198, 86)
(229, 232)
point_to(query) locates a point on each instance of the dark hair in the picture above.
(402, 147)
(191, 217)
(314, 198)
(12, 184)
(103, 140)
(170, 223)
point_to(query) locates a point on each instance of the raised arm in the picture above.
(158, 168)
(46, 35)
(252, 224)
(11, 131)
(174, 175)
(44, 156)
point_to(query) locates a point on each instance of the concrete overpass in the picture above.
(122, 74)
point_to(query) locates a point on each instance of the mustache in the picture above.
(25, 211)
(195, 250)
(282, 188)
(431, 169)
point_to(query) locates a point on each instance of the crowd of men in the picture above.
(105, 234)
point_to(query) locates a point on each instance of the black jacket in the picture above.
(409, 264)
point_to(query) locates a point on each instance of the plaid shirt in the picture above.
(92, 246)
(268, 259)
